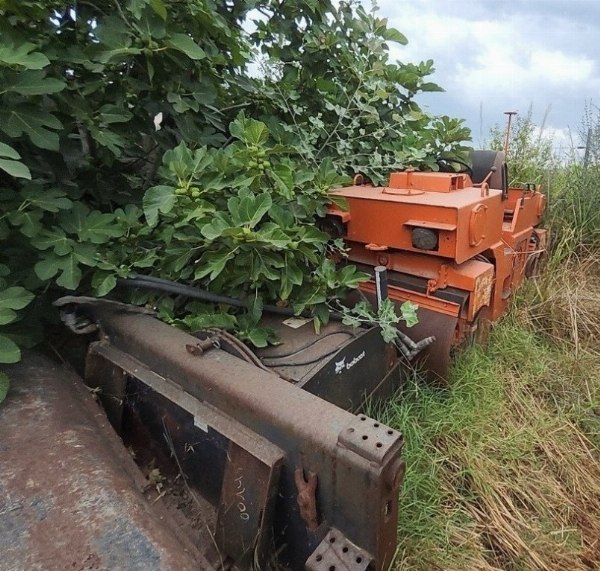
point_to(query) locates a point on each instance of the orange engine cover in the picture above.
(457, 250)
(465, 219)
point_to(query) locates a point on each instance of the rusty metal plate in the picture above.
(357, 489)
(250, 483)
(112, 391)
(70, 494)
(371, 439)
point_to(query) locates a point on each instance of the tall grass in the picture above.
(503, 465)
(576, 205)
(575, 209)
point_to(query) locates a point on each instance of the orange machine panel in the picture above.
(523, 212)
(429, 181)
(466, 220)
(474, 276)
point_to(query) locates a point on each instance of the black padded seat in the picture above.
(482, 163)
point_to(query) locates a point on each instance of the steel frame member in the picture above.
(284, 469)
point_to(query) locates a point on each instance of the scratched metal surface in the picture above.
(358, 482)
(70, 494)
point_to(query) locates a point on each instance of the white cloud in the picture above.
(560, 68)
(515, 71)
(540, 53)
(562, 138)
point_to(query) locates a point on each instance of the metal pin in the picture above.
(381, 285)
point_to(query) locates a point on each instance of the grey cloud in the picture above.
(500, 55)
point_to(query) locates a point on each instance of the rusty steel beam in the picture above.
(70, 493)
(337, 471)
(247, 503)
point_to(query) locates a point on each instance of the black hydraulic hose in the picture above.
(404, 343)
(149, 282)
(272, 362)
(308, 345)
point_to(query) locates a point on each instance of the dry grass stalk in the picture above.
(507, 460)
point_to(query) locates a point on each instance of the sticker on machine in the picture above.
(342, 365)
(296, 322)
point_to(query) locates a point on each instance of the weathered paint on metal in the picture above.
(341, 364)
(70, 494)
(358, 479)
(487, 242)
(336, 553)
(250, 483)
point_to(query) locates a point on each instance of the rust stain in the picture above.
(307, 501)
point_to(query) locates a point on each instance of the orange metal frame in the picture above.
(485, 243)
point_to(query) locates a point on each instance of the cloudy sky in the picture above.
(493, 56)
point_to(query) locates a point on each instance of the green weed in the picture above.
(502, 468)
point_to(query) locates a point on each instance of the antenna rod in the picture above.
(507, 138)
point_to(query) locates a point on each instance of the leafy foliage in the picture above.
(240, 221)
(82, 85)
(96, 96)
(11, 299)
(331, 91)
(4, 385)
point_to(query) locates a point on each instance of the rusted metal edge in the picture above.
(358, 482)
(244, 526)
(204, 414)
(70, 494)
(336, 553)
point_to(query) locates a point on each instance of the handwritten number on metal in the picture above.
(241, 505)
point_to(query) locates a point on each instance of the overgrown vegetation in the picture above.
(503, 466)
(97, 95)
(134, 140)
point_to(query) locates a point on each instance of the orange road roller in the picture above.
(458, 244)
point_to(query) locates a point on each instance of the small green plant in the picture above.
(385, 317)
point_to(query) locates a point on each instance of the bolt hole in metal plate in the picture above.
(336, 553)
(368, 438)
